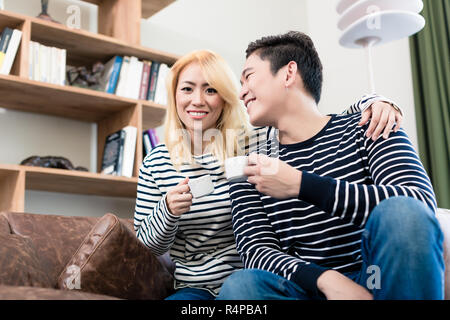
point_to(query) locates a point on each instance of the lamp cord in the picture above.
(368, 44)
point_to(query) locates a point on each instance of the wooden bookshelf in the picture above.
(108, 111)
(121, 19)
(148, 7)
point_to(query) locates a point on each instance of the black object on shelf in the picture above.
(51, 162)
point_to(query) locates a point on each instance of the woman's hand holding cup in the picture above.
(179, 198)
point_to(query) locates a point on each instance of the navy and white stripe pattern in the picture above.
(366, 101)
(201, 241)
(345, 175)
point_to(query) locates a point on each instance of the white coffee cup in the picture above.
(201, 186)
(234, 168)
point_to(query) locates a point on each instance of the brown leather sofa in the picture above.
(60, 257)
(38, 253)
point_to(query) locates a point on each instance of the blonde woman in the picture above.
(205, 124)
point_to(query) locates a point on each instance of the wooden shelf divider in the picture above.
(12, 186)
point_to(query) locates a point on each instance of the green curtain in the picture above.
(430, 59)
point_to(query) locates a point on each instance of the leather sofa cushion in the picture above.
(20, 265)
(112, 261)
(55, 237)
(33, 293)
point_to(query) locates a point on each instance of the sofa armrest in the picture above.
(35, 293)
(112, 261)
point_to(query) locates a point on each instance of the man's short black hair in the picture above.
(292, 46)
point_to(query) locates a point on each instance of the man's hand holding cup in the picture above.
(273, 177)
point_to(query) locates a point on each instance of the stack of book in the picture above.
(9, 44)
(150, 140)
(132, 78)
(119, 151)
(47, 64)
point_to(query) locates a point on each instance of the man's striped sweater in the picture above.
(344, 176)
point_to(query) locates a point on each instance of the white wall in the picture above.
(346, 72)
(228, 26)
(225, 26)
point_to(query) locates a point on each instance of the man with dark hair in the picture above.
(301, 49)
(329, 213)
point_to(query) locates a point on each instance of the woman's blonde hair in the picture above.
(232, 127)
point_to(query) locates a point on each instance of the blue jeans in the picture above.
(402, 242)
(191, 294)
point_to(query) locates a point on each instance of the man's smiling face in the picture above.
(262, 92)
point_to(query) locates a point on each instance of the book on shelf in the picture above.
(153, 80)
(137, 77)
(30, 60)
(150, 140)
(110, 75)
(129, 149)
(35, 73)
(47, 64)
(121, 85)
(119, 152)
(62, 65)
(53, 68)
(146, 143)
(153, 137)
(5, 37)
(161, 92)
(43, 64)
(11, 51)
(134, 78)
(144, 80)
(113, 153)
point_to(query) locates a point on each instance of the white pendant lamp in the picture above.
(366, 23)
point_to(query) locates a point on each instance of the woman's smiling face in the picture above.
(198, 104)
